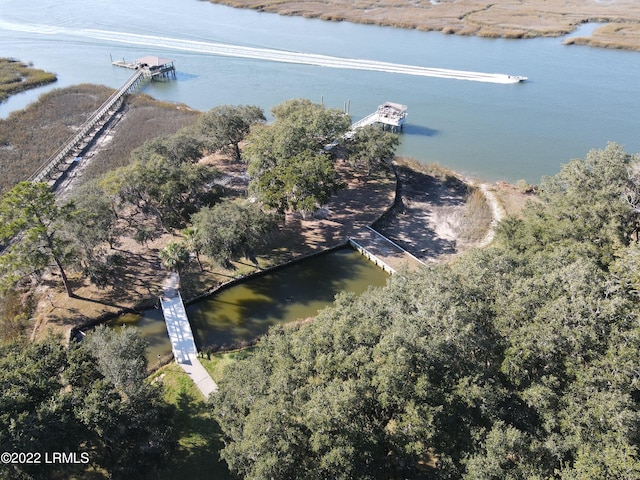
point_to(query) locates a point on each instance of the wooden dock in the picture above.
(382, 251)
(67, 155)
(151, 66)
(389, 114)
(57, 163)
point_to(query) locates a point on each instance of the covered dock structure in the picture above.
(152, 66)
(388, 114)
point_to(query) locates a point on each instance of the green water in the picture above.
(247, 310)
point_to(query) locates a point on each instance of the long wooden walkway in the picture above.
(63, 158)
(383, 252)
(182, 342)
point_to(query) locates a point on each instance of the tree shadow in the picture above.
(194, 421)
(101, 302)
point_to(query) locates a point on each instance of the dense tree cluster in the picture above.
(291, 164)
(288, 164)
(164, 187)
(224, 127)
(516, 361)
(232, 230)
(91, 400)
(159, 190)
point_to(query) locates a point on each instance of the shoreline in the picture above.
(508, 19)
(301, 237)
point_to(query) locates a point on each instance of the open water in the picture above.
(577, 98)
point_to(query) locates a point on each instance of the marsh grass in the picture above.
(16, 76)
(477, 217)
(145, 119)
(623, 36)
(505, 19)
(29, 137)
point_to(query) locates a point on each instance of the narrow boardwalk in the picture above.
(382, 251)
(181, 336)
(62, 159)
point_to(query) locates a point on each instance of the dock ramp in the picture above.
(182, 342)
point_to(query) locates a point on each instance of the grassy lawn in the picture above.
(199, 434)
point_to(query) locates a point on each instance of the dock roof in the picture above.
(153, 61)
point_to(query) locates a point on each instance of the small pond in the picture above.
(246, 310)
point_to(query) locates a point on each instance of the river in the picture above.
(577, 98)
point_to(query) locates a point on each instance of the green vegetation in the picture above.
(28, 137)
(198, 434)
(516, 361)
(175, 257)
(28, 213)
(226, 126)
(92, 399)
(145, 120)
(230, 230)
(16, 76)
(369, 146)
(168, 191)
(161, 188)
(289, 166)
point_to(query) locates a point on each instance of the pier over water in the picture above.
(181, 336)
(70, 152)
(151, 66)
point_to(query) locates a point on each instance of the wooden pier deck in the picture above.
(388, 114)
(182, 342)
(385, 253)
(150, 66)
(68, 153)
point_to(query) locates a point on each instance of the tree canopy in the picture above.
(370, 145)
(288, 165)
(91, 398)
(515, 361)
(224, 127)
(29, 222)
(230, 230)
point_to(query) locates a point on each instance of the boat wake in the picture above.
(273, 55)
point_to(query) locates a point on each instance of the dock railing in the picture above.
(72, 142)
